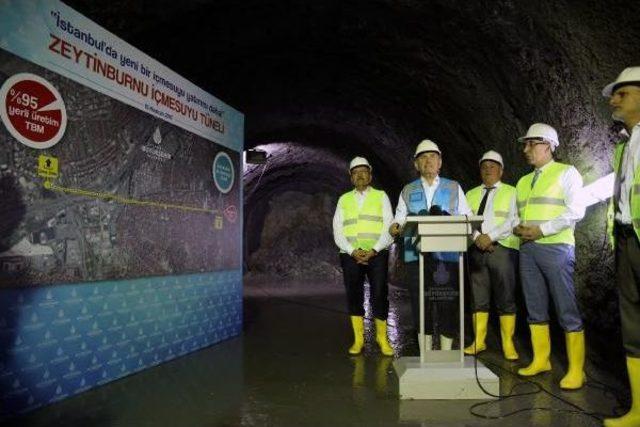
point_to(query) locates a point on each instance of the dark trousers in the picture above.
(546, 271)
(354, 275)
(442, 296)
(628, 279)
(493, 274)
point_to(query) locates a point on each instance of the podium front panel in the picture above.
(444, 229)
(444, 244)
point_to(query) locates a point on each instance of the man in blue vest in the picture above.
(360, 226)
(549, 206)
(432, 194)
(624, 228)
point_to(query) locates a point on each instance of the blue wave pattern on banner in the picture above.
(62, 340)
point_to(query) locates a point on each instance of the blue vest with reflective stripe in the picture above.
(445, 196)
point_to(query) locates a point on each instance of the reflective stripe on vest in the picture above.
(362, 227)
(501, 205)
(635, 196)
(544, 202)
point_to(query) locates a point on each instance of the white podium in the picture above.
(443, 374)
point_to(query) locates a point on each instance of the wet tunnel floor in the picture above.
(290, 368)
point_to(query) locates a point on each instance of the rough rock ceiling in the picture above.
(377, 76)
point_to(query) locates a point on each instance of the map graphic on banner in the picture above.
(108, 170)
(123, 194)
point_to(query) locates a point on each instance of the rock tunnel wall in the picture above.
(323, 81)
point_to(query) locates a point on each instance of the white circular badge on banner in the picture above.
(223, 172)
(32, 110)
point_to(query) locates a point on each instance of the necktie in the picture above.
(536, 174)
(483, 202)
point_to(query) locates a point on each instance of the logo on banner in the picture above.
(223, 172)
(32, 110)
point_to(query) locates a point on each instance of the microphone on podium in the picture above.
(437, 210)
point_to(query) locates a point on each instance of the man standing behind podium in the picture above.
(360, 226)
(494, 255)
(436, 195)
(549, 207)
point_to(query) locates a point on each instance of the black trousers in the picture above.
(628, 279)
(493, 274)
(442, 296)
(354, 275)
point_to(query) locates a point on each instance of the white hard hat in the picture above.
(629, 75)
(359, 161)
(492, 155)
(426, 146)
(542, 131)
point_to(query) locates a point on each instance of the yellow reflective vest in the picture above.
(544, 202)
(501, 206)
(362, 227)
(635, 195)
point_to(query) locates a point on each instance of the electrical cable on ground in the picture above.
(578, 410)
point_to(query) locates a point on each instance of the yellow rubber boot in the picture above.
(541, 343)
(381, 337)
(357, 322)
(631, 418)
(480, 320)
(575, 354)
(507, 329)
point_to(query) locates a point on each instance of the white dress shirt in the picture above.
(624, 179)
(387, 218)
(489, 227)
(429, 190)
(571, 183)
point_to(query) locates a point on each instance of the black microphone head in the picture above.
(435, 210)
(423, 212)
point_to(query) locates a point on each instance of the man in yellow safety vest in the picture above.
(549, 206)
(360, 225)
(624, 228)
(493, 257)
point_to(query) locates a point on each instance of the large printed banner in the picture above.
(119, 185)
(111, 165)
(56, 37)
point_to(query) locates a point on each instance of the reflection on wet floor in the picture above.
(291, 368)
(375, 377)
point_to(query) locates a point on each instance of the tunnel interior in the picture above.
(320, 82)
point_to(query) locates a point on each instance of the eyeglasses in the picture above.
(530, 143)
